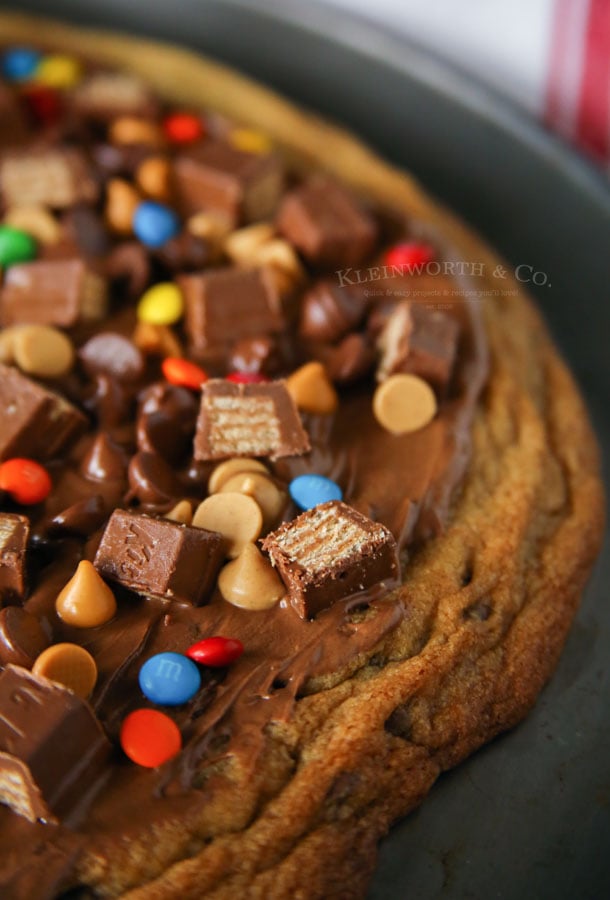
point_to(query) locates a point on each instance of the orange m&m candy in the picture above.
(183, 373)
(25, 480)
(150, 738)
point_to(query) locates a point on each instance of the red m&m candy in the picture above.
(150, 738)
(183, 127)
(216, 651)
(246, 378)
(25, 480)
(411, 256)
(183, 373)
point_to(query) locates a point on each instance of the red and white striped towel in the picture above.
(550, 56)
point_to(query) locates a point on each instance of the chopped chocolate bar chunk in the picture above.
(13, 129)
(419, 341)
(240, 187)
(228, 304)
(14, 532)
(326, 224)
(52, 747)
(55, 178)
(35, 422)
(248, 420)
(105, 95)
(329, 311)
(330, 552)
(160, 558)
(58, 292)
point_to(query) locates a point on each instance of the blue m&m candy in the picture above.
(20, 63)
(154, 223)
(169, 679)
(308, 491)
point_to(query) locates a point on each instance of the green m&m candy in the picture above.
(16, 246)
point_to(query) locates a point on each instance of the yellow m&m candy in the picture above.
(161, 304)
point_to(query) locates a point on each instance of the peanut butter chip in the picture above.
(182, 512)
(35, 220)
(70, 665)
(250, 581)
(237, 517)
(230, 467)
(268, 496)
(43, 351)
(86, 601)
(311, 389)
(404, 403)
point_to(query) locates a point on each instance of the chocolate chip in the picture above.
(112, 354)
(128, 267)
(81, 518)
(166, 421)
(22, 637)
(105, 460)
(151, 479)
(351, 359)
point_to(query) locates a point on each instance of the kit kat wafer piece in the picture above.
(14, 533)
(330, 552)
(58, 178)
(248, 420)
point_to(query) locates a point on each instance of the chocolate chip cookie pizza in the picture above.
(296, 505)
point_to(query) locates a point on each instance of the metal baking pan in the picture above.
(528, 816)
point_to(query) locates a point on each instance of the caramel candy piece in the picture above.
(104, 95)
(52, 747)
(55, 292)
(14, 533)
(42, 351)
(237, 517)
(311, 389)
(55, 178)
(69, 665)
(239, 186)
(159, 558)
(419, 341)
(326, 223)
(250, 582)
(248, 420)
(86, 601)
(228, 304)
(35, 422)
(404, 403)
(22, 638)
(330, 552)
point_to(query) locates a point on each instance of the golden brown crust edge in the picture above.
(524, 533)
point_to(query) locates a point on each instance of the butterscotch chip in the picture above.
(122, 200)
(237, 517)
(152, 177)
(262, 489)
(70, 665)
(311, 389)
(231, 467)
(86, 601)
(404, 403)
(42, 351)
(250, 581)
(156, 339)
(35, 220)
(182, 512)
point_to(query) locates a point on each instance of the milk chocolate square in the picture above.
(36, 422)
(56, 178)
(330, 552)
(324, 222)
(226, 305)
(58, 292)
(160, 558)
(240, 187)
(52, 747)
(248, 420)
(14, 533)
(420, 341)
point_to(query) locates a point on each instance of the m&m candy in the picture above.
(20, 63)
(25, 480)
(183, 127)
(410, 255)
(183, 373)
(216, 651)
(308, 491)
(154, 223)
(16, 246)
(169, 679)
(150, 738)
(161, 304)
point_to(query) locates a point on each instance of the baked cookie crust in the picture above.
(489, 602)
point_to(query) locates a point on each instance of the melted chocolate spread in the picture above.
(138, 454)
